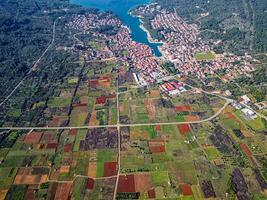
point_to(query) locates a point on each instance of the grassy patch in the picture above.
(231, 124)
(15, 112)
(7, 175)
(204, 56)
(257, 124)
(179, 118)
(80, 136)
(160, 178)
(58, 102)
(78, 118)
(39, 104)
(73, 80)
(78, 188)
(104, 155)
(212, 153)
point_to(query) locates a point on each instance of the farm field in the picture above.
(144, 106)
(99, 115)
(183, 161)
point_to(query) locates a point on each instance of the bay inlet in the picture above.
(121, 9)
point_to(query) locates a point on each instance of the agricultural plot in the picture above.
(174, 159)
(241, 125)
(35, 160)
(90, 189)
(144, 106)
(195, 161)
(158, 154)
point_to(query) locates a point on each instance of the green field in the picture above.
(104, 155)
(204, 56)
(160, 178)
(73, 80)
(212, 153)
(58, 102)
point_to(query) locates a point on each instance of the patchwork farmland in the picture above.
(100, 134)
(105, 138)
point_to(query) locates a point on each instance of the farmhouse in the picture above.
(245, 99)
(249, 113)
(173, 87)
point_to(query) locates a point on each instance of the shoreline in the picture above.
(149, 37)
(151, 40)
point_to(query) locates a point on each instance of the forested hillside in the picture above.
(25, 32)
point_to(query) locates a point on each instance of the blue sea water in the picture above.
(121, 9)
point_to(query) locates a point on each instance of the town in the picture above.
(189, 52)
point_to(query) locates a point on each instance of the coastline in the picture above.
(141, 26)
(151, 40)
(149, 37)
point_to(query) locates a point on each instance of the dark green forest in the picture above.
(25, 32)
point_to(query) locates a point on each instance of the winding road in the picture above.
(35, 63)
(120, 125)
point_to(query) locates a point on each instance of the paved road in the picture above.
(34, 65)
(119, 138)
(119, 125)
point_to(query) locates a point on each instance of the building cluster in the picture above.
(173, 87)
(248, 113)
(137, 55)
(227, 65)
(182, 43)
(88, 21)
(146, 9)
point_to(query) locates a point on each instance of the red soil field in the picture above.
(142, 182)
(110, 169)
(191, 118)
(33, 137)
(126, 183)
(63, 191)
(246, 150)
(73, 132)
(51, 146)
(94, 83)
(184, 129)
(186, 189)
(157, 149)
(48, 138)
(67, 147)
(79, 105)
(101, 100)
(151, 194)
(230, 115)
(42, 146)
(150, 108)
(182, 108)
(30, 193)
(90, 184)
(158, 128)
(24, 171)
(103, 81)
(156, 146)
